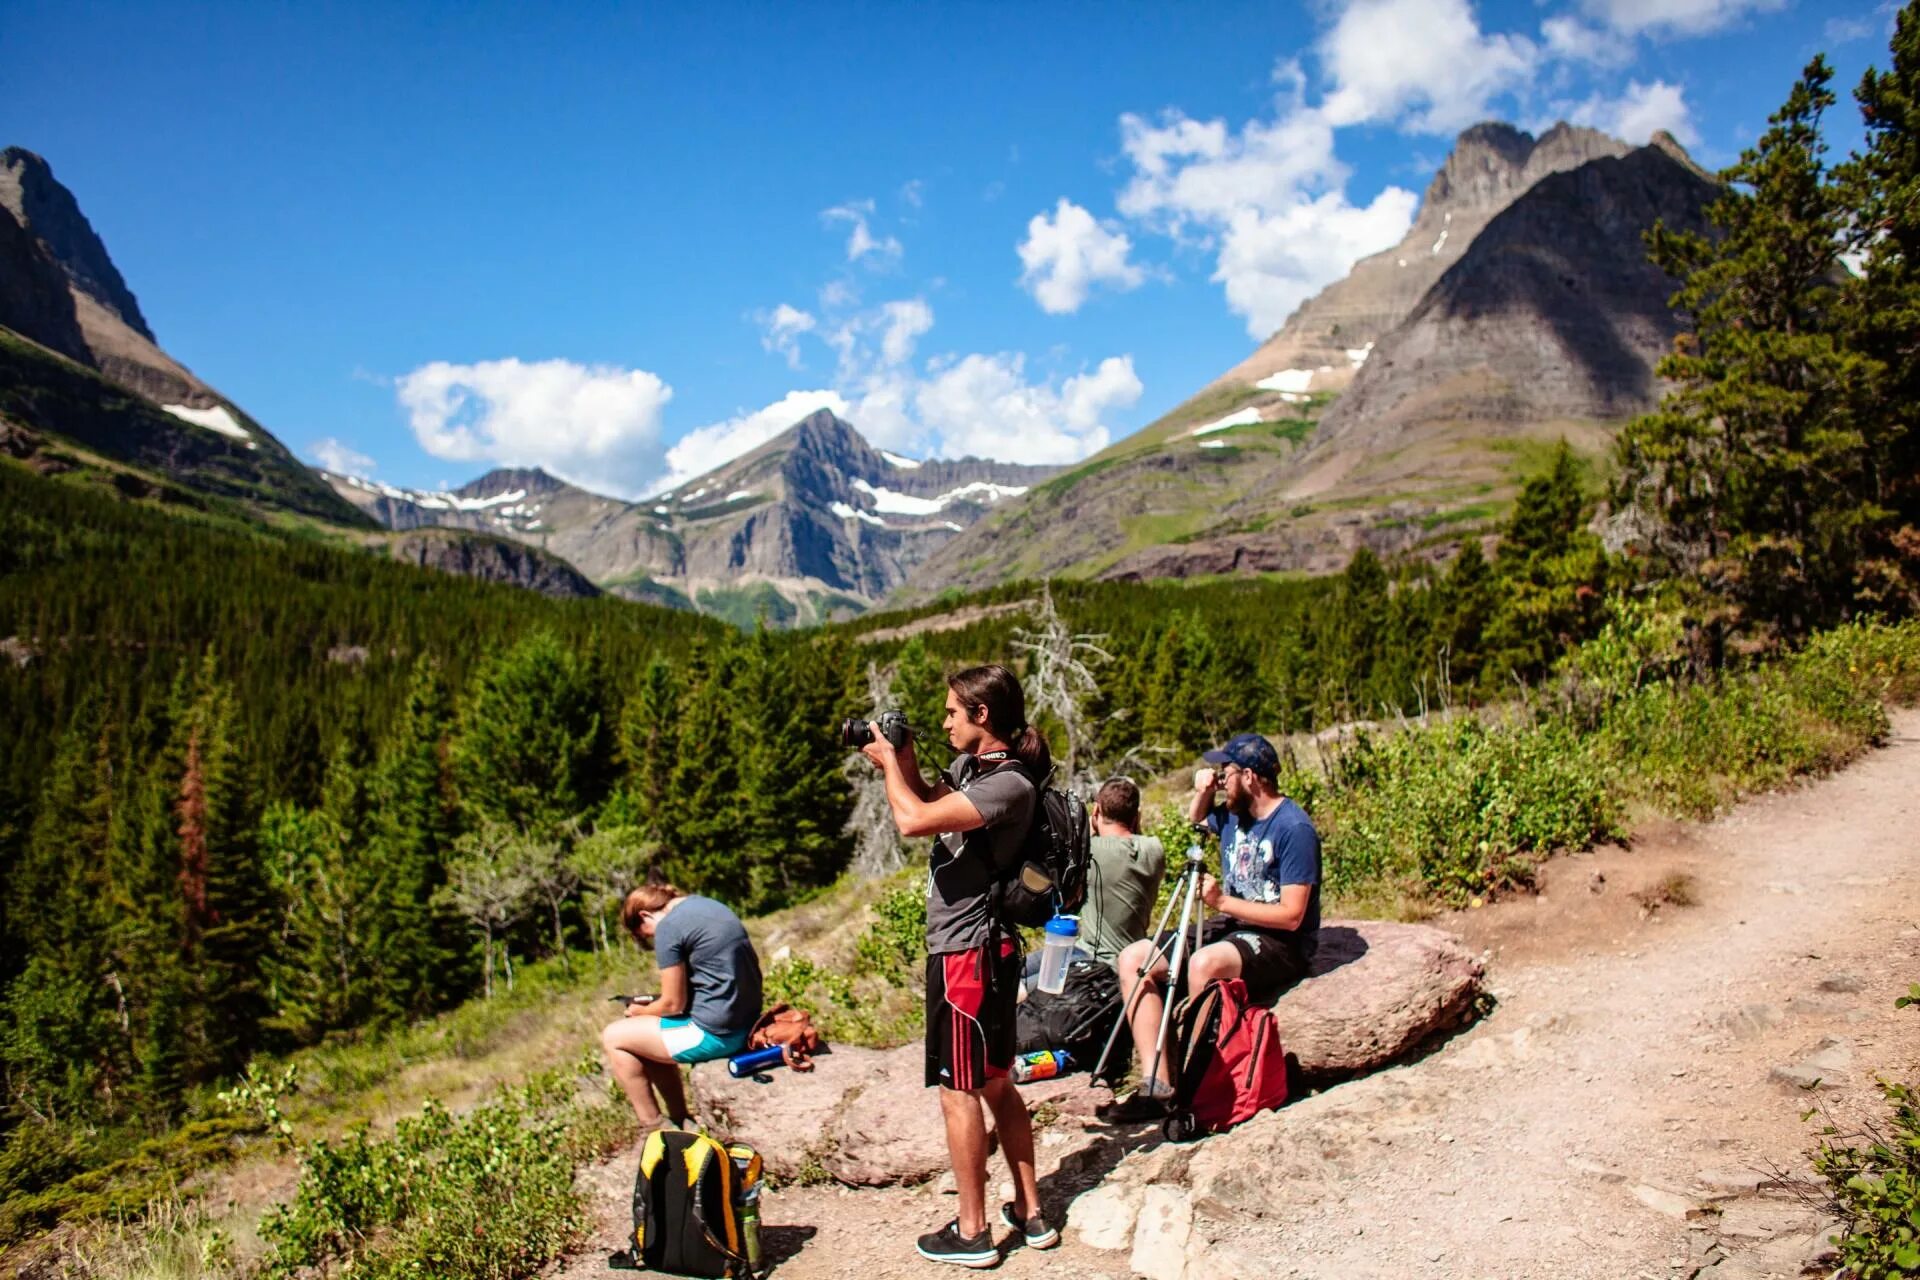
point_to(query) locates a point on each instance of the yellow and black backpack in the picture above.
(695, 1208)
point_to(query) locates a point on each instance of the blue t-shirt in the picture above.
(723, 972)
(1257, 858)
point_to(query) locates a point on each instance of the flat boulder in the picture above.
(890, 1129)
(785, 1119)
(1376, 990)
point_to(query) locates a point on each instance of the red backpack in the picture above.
(1227, 1061)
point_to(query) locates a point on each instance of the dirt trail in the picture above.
(1627, 1073)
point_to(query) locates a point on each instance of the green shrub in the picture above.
(486, 1194)
(1875, 1188)
(894, 944)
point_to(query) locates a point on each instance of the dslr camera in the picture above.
(892, 725)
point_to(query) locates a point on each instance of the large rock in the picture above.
(785, 1119)
(890, 1129)
(1377, 990)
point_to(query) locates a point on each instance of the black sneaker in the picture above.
(948, 1245)
(1034, 1230)
(1141, 1108)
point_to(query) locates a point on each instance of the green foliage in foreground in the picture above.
(488, 1193)
(1876, 1187)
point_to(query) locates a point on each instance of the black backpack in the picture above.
(1059, 843)
(687, 1203)
(1078, 1020)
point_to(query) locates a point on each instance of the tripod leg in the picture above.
(1178, 959)
(1139, 984)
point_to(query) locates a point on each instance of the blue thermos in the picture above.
(755, 1061)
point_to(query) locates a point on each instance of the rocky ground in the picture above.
(1664, 1016)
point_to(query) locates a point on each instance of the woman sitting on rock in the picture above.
(709, 998)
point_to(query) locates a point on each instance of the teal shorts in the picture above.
(688, 1041)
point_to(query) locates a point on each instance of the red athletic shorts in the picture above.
(970, 1022)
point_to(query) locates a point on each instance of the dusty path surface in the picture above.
(1612, 1117)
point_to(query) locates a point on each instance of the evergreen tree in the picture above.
(1552, 577)
(1755, 469)
(1469, 599)
(649, 742)
(413, 828)
(534, 744)
(1881, 316)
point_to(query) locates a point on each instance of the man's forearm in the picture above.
(906, 794)
(1264, 915)
(1202, 805)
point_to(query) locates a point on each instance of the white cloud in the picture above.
(784, 325)
(1424, 64)
(985, 405)
(704, 448)
(340, 458)
(903, 323)
(1269, 199)
(1063, 258)
(595, 425)
(860, 240)
(914, 192)
(1571, 40)
(1643, 109)
(1675, 17)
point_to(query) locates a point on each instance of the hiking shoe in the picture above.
(1034, 1230)
(1141, 1108)
(948, 1245)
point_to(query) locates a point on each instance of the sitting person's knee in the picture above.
(1208, 964)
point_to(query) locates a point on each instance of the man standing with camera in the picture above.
(1268, 898)
(980, 812)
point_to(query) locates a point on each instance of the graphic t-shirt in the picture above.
(1123, 879)
(1258, 858)
(961, 869)
(723, 971)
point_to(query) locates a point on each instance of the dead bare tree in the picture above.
(1059, 679)
(877, 849)
(488, 884)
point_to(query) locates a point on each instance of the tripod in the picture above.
(1172, 947)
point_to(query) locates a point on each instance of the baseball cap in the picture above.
(1251, 752)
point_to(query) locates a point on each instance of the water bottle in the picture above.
(754, 1061)
(750, 1227)
(1043, 1064)
(1063, 934)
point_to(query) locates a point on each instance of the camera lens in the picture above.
(855, 733)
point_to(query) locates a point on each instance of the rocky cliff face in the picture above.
(1554, 311)
(1490, 166)
(817, 513)
(113, 332)
(490, 560)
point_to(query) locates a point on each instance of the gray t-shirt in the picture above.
(1123, 879)
(961, 868)
(723, 971)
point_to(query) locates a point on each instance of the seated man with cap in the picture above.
(1268, 900)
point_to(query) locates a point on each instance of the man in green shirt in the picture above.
(1123, 875)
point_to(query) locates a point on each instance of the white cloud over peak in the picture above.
(1269, 199)
(1424, 64)
(861, 242)
(595, 425)
(783, 327)
(1675, 17)
(1639, 112)
(1062, 258)
(341, 458)
(986, 406)
(703, 449)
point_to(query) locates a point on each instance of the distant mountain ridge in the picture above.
(812, 523)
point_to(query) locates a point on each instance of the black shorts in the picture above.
(970, 1016)
(1270, 961)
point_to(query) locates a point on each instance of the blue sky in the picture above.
(629, 242)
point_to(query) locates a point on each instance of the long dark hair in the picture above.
(998, 690)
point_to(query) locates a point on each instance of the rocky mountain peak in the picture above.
(1492, 162)
(529, 480)
(43, 206)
